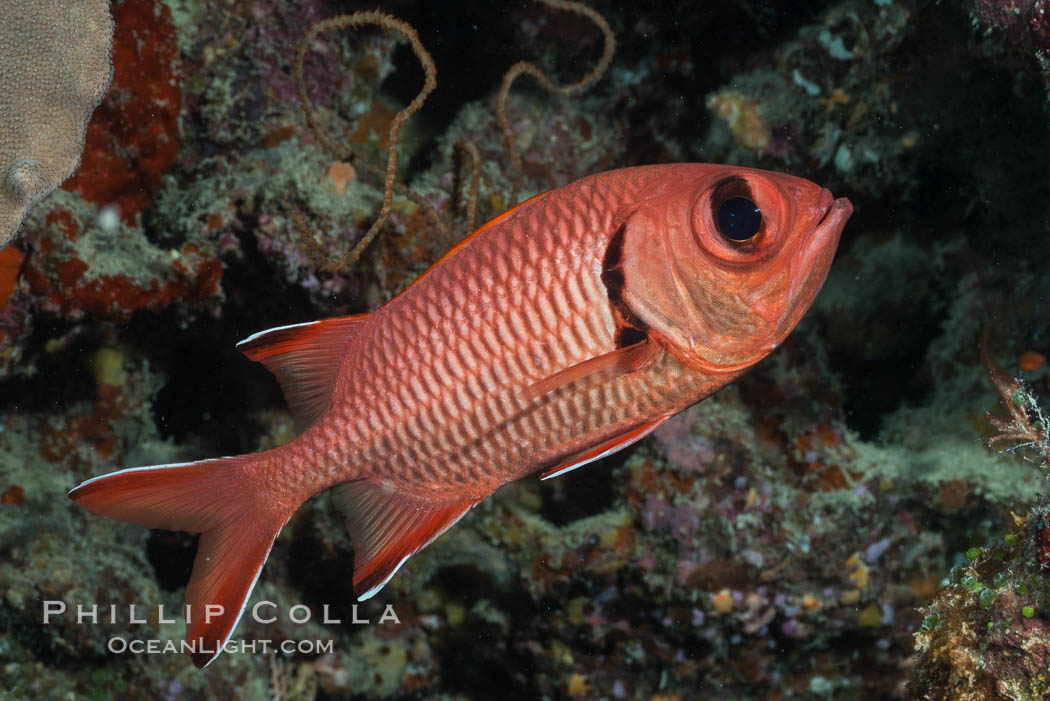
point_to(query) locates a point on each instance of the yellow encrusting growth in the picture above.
(108, 365)
(858, 574)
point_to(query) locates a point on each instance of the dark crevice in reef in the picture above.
(461, 37)
(317, 567)
(473, 44)
(34, 638)
(204, 395)
(496, 658)
(62, 378)
(171, 553)
(971, 173)
(323, 576)
(972, 170)
(468, 583)
(965, 528)
(586, 491)
(211, 386)
(488, 668)
(875, 388)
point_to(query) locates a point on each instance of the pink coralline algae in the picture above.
(683, 448)
(1025, 22)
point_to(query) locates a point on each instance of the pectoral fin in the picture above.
(616, 362)
(604, 449)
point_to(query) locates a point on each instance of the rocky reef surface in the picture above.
(832, 526)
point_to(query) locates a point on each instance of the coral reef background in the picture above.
(832, 526)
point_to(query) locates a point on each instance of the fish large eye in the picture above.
(738, 218)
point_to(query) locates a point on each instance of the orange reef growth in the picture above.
(10, 265)
(115, 297)
(13, 495)
(109, 286)
(132, 137)
(1030, 361)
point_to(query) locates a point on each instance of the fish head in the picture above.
(720, 263)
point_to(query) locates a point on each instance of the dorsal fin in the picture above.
(477, 232)
(387, 528)
(305, 358)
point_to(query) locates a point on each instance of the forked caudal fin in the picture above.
(217, 499)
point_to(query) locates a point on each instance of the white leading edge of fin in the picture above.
(145, 468)
(375, 590)
(588, 461)
(604, 454)
(248, 595)
(257, 334)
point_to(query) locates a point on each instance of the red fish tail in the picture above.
(216, 498)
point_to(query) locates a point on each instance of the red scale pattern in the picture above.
(438, 372)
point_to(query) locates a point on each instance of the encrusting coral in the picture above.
(54, 70)
(984, 634)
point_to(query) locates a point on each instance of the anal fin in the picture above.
(305, 358)
(387, 528)
(604, 449)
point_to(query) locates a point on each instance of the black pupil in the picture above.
(739, 219)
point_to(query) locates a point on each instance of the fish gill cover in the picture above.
(830, 526)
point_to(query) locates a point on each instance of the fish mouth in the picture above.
(836, 212)
(812, 263)
(829, 225)
(824, 203)
(818, 250)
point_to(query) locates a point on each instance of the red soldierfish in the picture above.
(562, 331)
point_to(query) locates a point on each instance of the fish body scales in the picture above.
(431, 399)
